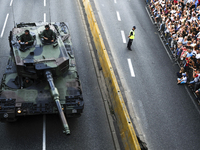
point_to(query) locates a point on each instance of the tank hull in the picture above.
(24, 89)
(36, 99)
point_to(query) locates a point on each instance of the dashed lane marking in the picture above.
(123, 36)
(4, 25)
(118, 16)
(131, 67)
(44, 133)
(44, 2)
(11, 2)
(115, 1)
(44, 17)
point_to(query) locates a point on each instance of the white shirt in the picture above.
(197, 56)
(180, 39)
(173, 11)
(188, 1)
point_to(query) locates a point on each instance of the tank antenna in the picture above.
(50, 11)
(13, 15)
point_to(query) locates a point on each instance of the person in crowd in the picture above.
(183, 79)
(179, 24)
(179, 74)
(195, 79)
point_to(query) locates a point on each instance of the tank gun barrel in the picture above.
(55, 95)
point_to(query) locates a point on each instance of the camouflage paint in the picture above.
(34, 97)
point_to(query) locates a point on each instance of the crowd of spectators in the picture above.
(178, 21)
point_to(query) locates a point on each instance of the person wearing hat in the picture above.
(27, 38)
(48, 35)
(131, 37)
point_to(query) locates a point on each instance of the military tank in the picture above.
(41, 78)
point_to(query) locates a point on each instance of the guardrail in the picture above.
(127, 132)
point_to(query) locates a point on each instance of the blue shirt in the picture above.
(189, 54)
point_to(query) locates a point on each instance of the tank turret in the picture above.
(41, 75)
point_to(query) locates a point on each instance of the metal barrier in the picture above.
(167, 39)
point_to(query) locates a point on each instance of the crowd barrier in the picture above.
(166, 37)
(127, 132)
(167, 40)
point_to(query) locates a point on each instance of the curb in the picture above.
(124, 122)
(101, 83)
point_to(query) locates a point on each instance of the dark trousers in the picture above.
(130, 41)
(47, 41)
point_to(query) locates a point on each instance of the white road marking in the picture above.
(44, 2)
(123, 36)
(118, 16)
(44, 17)
(11, 2)
(44, 133)
(131, 67)
(115, 1)
(4, 25)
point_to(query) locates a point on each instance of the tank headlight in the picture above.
(19, 111)
(62, 108)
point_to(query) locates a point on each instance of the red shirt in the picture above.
(175, 1)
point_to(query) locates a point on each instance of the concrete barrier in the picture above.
(124, 122)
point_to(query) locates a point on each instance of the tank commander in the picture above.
(48, 35)
(27, 38)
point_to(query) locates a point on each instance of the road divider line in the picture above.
(115, 1)
(131, 67)
(118, 16)
(44, 17)
(4, 25)
(11, 2)
(45, 2)
(44, 133)
(123, 36)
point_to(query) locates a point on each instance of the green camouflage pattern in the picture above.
(24, 89)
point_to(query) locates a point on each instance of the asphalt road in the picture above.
(166, 113)
(89, 132)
